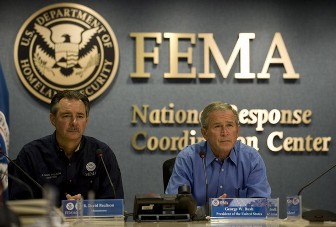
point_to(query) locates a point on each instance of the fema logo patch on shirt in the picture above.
(90, 166)
(66, 46)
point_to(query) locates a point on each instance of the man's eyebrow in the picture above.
(217, 123)
(64, 112)
(223, 123)
(69, 112)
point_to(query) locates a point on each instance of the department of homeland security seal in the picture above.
(66, 46)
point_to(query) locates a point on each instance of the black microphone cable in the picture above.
(18, 181)
(24, 172)
(311, 182)
(202, 154)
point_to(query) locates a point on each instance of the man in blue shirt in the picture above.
(232, 169)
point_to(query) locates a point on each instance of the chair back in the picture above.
(167, 170)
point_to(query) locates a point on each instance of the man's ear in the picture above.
(52, 119)
(204, 132)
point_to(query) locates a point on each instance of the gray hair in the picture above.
(222, 106)
(69, 94)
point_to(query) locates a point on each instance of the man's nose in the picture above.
(224, 130)
(73, 120)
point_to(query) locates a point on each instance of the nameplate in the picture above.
(294, 209)
(242, 208)
(93, 208)
(272, 208)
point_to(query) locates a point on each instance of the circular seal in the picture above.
(66, 46)
(215, 202)
(70, 206)
(90, 166)
(296, 201)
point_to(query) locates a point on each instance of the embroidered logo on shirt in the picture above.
(90, 166)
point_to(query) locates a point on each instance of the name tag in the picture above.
(294, 209)
(238, 208)
(93, 208)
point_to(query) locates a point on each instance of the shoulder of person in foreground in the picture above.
(192, 150)
(34, 151)
(182, 172)
(247, 151)
(98, 146)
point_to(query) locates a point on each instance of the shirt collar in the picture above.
(79, 145)
(59, 149)
(234, 153)
(210, 157)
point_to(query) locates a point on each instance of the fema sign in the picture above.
(66, 46)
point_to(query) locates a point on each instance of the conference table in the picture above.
(93, 222)
(228, 223)
(57, 219)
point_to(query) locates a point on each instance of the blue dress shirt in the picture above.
(241, 175)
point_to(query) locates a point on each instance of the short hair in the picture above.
(214, 106)
(69, 94)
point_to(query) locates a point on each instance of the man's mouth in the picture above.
(225, 141)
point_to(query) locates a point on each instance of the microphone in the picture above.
(99, 153)
(7, 217)
(19, 181)
(202, 154)
(319, 214)
(311, 182)
(24, 172)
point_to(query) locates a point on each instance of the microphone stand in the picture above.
(310, 183)
(99, 153)
(318, 215)
(206, 205)
(24, 172)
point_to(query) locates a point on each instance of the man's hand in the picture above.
(223, 196)
(75, 197)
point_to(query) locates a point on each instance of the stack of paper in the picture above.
(34, 211)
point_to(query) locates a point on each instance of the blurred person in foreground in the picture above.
(67, 160)
(233, 169)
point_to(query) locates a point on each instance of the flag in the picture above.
(4, 136)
